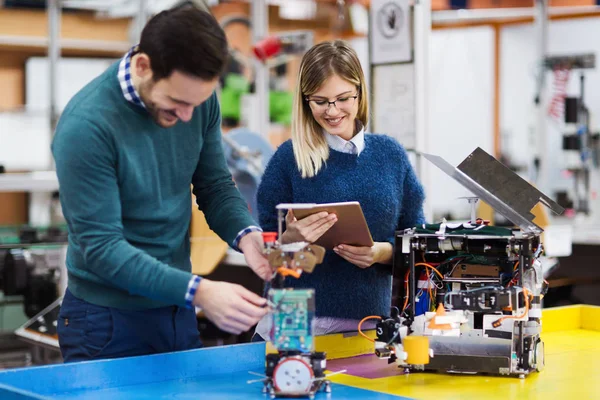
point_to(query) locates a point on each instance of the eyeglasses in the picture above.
(343, 103)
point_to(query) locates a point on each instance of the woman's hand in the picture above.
(364, 257)
(308, 229)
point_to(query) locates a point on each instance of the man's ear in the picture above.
(141, 65)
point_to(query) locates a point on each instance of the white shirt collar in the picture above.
(353, 146)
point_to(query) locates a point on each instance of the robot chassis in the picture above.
(296, 369)
(486, 283)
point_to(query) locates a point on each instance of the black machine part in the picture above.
(387, 331)
(572, 106)
(387, 328)
(486, 299)
(21, 278)
(15, 274)
(31, 235)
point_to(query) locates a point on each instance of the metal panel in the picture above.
(505, 191)
(484, 347)
(469, 364)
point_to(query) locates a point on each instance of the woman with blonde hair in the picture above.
(330, 158)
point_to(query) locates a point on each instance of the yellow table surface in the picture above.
(572, 349)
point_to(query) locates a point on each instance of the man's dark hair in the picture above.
(185, 39)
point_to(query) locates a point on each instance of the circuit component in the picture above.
(463, 270)
(293, 313)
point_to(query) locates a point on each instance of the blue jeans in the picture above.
(90, 332)
(257, 338)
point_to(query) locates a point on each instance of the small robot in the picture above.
(296, 370)
(473, 292)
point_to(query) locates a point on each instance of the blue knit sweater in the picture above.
(381, 178)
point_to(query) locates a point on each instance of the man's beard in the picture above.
(145, 90)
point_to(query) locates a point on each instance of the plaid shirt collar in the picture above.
(125, 81)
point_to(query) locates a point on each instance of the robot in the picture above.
(473, 292)
(296, 369)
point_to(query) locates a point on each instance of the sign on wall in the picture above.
(394, 102)
(390, 31)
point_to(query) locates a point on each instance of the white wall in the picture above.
(461, 101)
(25, 140)
(519, 68)
(25, 137)
(73, 74)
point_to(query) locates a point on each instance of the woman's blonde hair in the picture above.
(321, 62)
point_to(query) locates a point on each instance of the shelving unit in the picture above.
(39, 181)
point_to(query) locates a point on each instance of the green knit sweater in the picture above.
(125, 193)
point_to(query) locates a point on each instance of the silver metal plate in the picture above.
(504, 190)
(473, 346)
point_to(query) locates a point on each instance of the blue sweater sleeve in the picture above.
(412, 199)
(217, 196)
(413, 194)
(89, 192)
(275, 187)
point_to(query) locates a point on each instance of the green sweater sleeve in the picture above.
(86, 165)
(217, 197)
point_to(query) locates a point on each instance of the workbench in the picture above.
(571, 335)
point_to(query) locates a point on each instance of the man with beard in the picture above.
(127, 148)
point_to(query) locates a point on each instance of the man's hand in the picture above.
(252, 245)
(364, 257)
(308, 229)
(231, 307)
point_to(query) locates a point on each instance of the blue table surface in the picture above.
(214, 373)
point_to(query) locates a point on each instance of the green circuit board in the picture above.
(293, 313)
